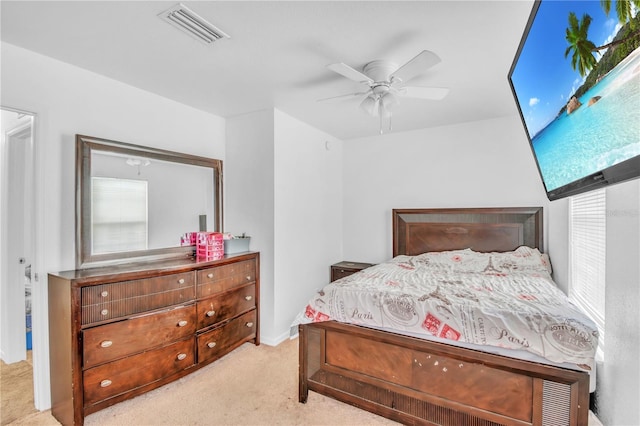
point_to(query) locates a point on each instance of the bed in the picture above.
(414, 380)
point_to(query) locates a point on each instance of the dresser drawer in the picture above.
(112, 341)
(114, 378)
(227, 305)
(222, 278)
(115, 300)
(217, 342)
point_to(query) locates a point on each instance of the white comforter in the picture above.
(506, 300)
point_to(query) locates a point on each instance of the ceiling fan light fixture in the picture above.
(136, 162)
(370, 105)
(387, 83)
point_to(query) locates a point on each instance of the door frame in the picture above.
(39, 305)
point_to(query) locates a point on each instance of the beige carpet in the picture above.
(250, 386)
(16, 391)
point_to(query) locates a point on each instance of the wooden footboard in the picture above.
(415, 381)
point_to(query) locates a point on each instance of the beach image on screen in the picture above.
(577, 83)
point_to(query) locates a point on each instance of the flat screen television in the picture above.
(576, 81)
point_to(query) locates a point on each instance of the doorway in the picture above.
(17, 239)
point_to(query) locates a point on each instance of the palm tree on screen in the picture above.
(582, 58)
(623, 9)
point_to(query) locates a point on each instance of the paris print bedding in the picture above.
(506, 300)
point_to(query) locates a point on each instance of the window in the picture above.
(119, 214)
(587, 235)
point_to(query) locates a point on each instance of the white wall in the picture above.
(249, 198)
(69, 100)
(308, 222)
(478, 164)
(283, 187)
(619, 382)
(618, 378)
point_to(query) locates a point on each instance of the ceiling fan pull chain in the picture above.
(381, 124)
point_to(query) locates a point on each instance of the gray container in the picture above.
(236, 245)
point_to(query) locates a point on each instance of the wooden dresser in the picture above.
(117, 332)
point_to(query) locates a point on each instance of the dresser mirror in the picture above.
(134, 203)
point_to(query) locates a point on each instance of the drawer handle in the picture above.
(211, 345)
(181, 357)
(249, 324)
(211, 313)
(181, 281)
(248, 277)
(210, 275)
(182, 323)
(104, 294)
(104, 312)
(247, 298)
(106, 343)
(105, 383)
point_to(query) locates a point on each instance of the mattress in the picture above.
(497, 301)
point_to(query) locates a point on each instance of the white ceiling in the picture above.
(279, 50)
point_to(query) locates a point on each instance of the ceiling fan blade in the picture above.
(348, 95)
(352, 74)
(433, 93)
(420, 63)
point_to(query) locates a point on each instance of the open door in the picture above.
(16, 234)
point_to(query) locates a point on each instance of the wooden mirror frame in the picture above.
(84, 147)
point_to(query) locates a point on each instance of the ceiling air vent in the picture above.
(188, 21)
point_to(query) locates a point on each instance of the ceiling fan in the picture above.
(386, 83)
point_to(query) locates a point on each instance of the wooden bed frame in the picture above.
(416, 381)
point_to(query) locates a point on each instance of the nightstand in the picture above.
(345, 268)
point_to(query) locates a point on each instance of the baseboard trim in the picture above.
(274, 341)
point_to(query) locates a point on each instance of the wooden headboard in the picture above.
(417, 231)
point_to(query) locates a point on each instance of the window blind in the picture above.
(587, 234)
(119, 214)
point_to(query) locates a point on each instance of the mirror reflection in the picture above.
(138, 202)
